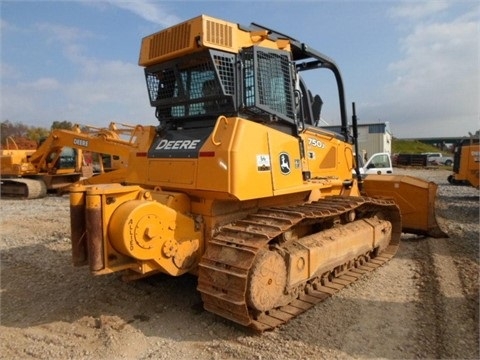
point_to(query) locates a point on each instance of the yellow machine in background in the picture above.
(66, 157)
(466, 163)
(240, 185)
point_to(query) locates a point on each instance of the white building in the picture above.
(372, 138)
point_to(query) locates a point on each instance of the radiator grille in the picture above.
(218, 34)
(166, 42)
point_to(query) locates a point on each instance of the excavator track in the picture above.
(23, 188)
(228, 261)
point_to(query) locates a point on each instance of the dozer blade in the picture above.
(415, 198)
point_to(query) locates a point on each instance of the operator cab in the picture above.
(257, 84)
(192, 91)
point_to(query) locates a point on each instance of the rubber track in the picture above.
(29, 188)
(225, 265)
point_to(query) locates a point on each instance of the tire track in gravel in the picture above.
(441, 297)
(457, 327)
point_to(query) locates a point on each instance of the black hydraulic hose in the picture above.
(355, 142)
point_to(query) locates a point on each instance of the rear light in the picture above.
(206, 154)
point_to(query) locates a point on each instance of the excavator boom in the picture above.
(30, 174)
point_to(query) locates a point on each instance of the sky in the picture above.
(413, 64)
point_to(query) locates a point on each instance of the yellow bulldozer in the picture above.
(241, 186)
(82, 154)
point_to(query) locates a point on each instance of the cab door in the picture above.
(379, 163)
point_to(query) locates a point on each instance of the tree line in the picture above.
(18, 130)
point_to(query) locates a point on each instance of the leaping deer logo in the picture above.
(284, 163)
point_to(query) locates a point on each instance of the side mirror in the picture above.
(317, 108)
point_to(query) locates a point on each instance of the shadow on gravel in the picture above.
(458, 248)
(45, 287)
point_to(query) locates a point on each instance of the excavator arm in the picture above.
(44, 165)
(101, 141)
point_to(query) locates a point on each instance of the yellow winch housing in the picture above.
(130, 224)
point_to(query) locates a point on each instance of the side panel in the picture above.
(239, 159)
(470, 165)
(173, 158)
(175, 171)
(286, 161)
(327, 156)
(473, 176)
(229, 164)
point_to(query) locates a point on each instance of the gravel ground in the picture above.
(422, 304)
